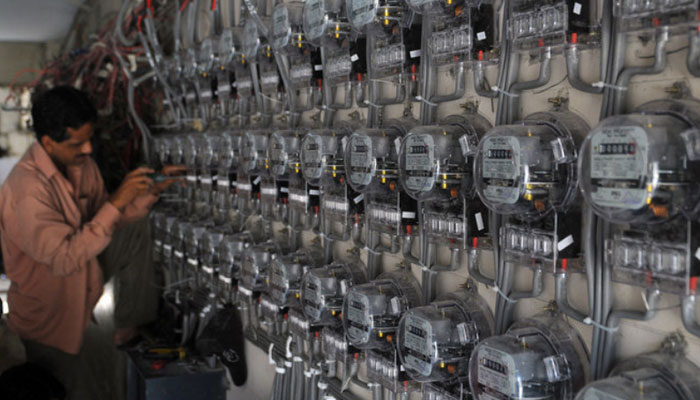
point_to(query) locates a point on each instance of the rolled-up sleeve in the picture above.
(36, 226)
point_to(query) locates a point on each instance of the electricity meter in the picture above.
(256, 262)
(253, 151)
(205, 56)
(323, 289)
(231, 251)
(209, 255)
(281, 26)
(435, 161)
(193, 239)
(321, 151)
(371, 158)
(436, 341)
(653, 376)
(251, 39)
(226, 49)
(385, 13)
(205, 156)
(283, 153)
(176, 149)
(322, 18)
(284, 284)
(528, 169)
(644, 168)
(534, 24)
(162, 148)
(537, 358)
(229, 147)
(189, 152)
(371, 311)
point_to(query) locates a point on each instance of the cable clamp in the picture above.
(601, 84)
(280, 370)
(505, 296)
(589, 321)
(505, 92)
(426, 101)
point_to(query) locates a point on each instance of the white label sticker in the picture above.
(208, 270)
(205, 181)
(284, 189)
(481, 35)
(223, 182)
(192, 261)
(314, 192)
(564, 243)
(359, 198)
(479, 221)
(318, 67)
(178, 253)
(256, 181)
(697, 253)
(397, 145)
(354, 58)
(191, 178)
(414, 53)
(225, 279)
(577, 8)
(408, 215)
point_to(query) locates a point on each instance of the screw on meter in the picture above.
(420, 163)
(281, 30)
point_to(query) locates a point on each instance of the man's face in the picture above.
(72, 151)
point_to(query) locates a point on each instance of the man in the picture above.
(56, 219)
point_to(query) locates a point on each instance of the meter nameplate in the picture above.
(358, 316)
(418, 338)
(597, 394)
(313, 300)
(311, 154)
(496, 370)
(420, 163)
(280, 27)
(278, 156)
(362, 12)
(361, 160)
(619, 154)
(314, 19)
(500, 169)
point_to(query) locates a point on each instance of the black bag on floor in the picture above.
(223, 337)
(29, 381)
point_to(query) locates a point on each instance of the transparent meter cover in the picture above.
(283, 152)
(229, 150)
(323, 289)
(284, 284)
(318, 148)
(256, 262)
(529, 169)
(284, 18)
(209, 249)
(315, 20)
(231, 251)
(436, 341)
(193, 239)
(162, 148)
(655, 376)
(251, 39)
(371, 311)
(371, 154)
(205, 55)
(226, 48)
(361, 12)
(253, 151)
(642, 167)
(435, 161)
(537, 358)
(205, 154)
(189, 151)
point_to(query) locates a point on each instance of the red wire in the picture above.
(184, 5)
(213, 5)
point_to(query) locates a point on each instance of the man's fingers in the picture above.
(170, 170)
(139, 171)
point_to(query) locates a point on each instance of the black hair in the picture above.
(60, 108)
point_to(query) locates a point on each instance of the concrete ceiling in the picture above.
(36, 20)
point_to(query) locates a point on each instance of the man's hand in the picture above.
(175, 171)
(135, 184)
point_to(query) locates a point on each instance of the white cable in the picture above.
(601, 84)
(297, 359)
(288, 353)
(269, 354)
(280, 370)
(426, 101)
(505, 92)
(505, 296)
(288, 364)
(589, 321)
(322, 385)
(372, 104)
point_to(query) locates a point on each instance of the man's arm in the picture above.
(40, 230)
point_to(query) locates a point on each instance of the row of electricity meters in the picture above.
(637, 168)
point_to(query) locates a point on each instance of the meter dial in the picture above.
(323, 289)
(371, 311)
(371, 158)
(283, 152)
(435, 161)
(643, 167)
(537, 358)
(435, 341)
(529, 169)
